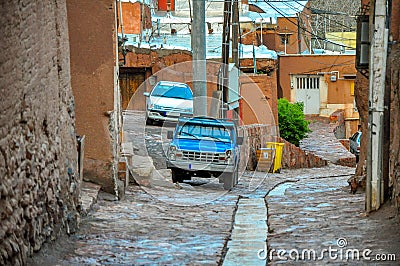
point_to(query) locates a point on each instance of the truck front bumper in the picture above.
(200, 166)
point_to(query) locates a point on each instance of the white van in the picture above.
(167, 101)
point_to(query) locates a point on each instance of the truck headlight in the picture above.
(172, 152)
(228, 154)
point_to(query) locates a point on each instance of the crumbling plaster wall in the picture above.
(94, 80)
(39, 184)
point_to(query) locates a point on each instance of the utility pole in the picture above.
(235, 33)
(235, 43)
(379, 45)
(224, 71)
(198, 35)
(141, 23)
(298, 34)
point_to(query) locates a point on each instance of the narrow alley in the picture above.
(273, 222)
(194, 132)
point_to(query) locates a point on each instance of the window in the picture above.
(307, 83)
(172, 91)
(284, 37)
(194, 131)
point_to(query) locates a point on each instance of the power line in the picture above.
(305, 29)
(332, 20)
(323, 68)
(338, 23)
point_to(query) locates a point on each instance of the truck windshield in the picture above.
(194, 131)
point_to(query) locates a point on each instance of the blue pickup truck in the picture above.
(204, 146)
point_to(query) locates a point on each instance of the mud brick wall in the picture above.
(394, 145)
(94, 81)
(257, 135)
(38, 158)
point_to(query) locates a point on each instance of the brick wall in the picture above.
(39, 183)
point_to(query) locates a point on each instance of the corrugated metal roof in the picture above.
(213, 45)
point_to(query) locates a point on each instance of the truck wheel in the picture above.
(149, 121)
(177, 176)
(228, 180)
(235, 177)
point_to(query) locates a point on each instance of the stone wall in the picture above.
(292, 157)
(39, 184)
(255, 136)
(394, 147)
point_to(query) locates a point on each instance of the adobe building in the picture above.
(257, 90)
(136, 17)
(144, 60)
(287, 33)
(94, 81)
(324, 83)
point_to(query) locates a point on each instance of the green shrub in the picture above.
(292, 124)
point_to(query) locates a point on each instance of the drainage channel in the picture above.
(280, 189)
(249, 233)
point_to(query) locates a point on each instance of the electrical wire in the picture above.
(300, 11)
(291, 6)
(320, 69)
(304, 29)
(332, 20)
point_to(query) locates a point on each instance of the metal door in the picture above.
(307, 92)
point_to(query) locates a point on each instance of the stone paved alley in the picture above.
(199, 223)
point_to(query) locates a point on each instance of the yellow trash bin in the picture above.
(278, 154)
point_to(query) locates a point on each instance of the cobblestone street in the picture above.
(199, 223)
(317, 211)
